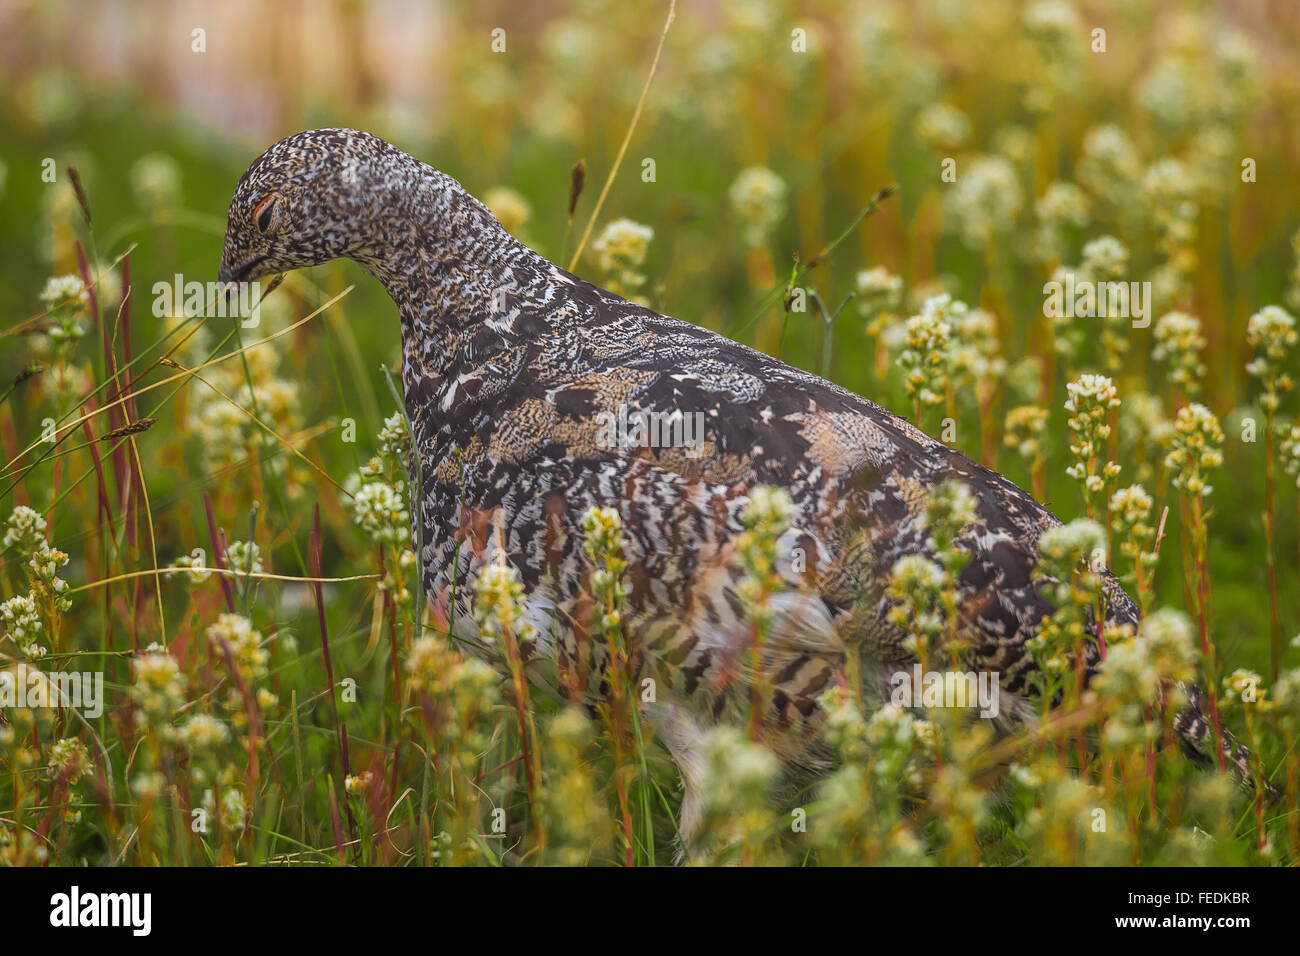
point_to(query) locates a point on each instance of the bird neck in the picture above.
(459, 280)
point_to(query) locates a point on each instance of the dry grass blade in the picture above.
(627, 139)
(172, 378)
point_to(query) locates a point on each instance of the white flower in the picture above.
(1196, 449)
(157, 689)
(926, 360)
(1063, 548)
(1110, 164)
(1169, 93)
(381, 511)
(879, 290)
(1104, 258)
(511, 209)
(942, 126)
(917, 574)
(1179, 343)
(394, 439)
(244, 642)
(21, 618)
(244, 557)
(69, 760)
(769, 509)
(1244, 685)
(203, 732)
(1052, 21)
(622, 245)
(985, 200)
(1062, 204)
(198, 572)
(63, 290)
(1167, 641)
(156, 181)
(1273, 328)
(499, 601)
(1091, 395)
(736, 773)
(758, 198)
(25, 529)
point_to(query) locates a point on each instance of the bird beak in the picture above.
(227, 291)
(239, 273)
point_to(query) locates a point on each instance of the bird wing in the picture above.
(858, 474)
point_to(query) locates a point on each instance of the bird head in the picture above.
(304, 201)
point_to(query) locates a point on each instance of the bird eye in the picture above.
(264, 213)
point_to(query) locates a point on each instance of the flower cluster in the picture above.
(949, 511)
(1197, 445)
(620, 252)
(203, 734)
(1061, 210)
(380, 510)
(736, 777)
(577, 819)
(22, 623)
(879, 292)
(1271, 332)
(395, 441)
(943, 127)
(1091, 399)
(1170, 188)
(244, 557)
(236, 633)
(921, 588)
(26, 617)
(66, 300)
(1289, 450)
(227, 434)
(1110, 164)
(435, 666)
(1071, 558)
(44, 567)
(985, 200)
(1023, 431)
(194, 564)
(975, 358)
(926, 361)
(69, 760)
(233, 813)
(25, 529)
(1245, 686)
(1105, 259)
(157, 689)
(511, 209)
(765, 518)
(1179, 344)
(917, 586)
(603, 542)
(156, 183)
(758, 199)
(1130, 512)
(498, 602)
(380, 505)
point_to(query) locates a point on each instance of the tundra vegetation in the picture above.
(212, 512)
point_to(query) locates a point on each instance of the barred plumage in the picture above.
(508, 362)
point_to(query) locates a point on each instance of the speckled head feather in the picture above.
(510, 362)
(327, 194)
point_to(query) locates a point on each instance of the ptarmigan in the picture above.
(508, 361)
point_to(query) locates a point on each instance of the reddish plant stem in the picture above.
(1202, 614)
(1270, 495)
